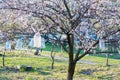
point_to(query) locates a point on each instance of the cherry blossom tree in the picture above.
(83, 22)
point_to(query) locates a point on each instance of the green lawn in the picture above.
(42, 68)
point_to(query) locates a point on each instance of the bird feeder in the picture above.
(102, 44)
(42, 43)
(31, 44)
(8, 45)
(19, 44)
(37, 40)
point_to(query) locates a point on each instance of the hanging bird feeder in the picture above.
(42, 43)
(31, 44)
(37, 40)
(102, 44)
(8, 45)
(19, 44)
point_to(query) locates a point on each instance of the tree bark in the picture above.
(71, 70)
(52, 57)
(107, 55)
(52, 65)
(72, 63)
(3, 59)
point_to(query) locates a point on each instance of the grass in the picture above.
(112, 56)
(102, 60)
(42, 67)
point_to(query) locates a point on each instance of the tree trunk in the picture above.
(52, 66)
(3, 59)
(72, 64)
(71, 70)
(52, 56)
(107, 55)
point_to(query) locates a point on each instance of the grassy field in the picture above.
(41, 67)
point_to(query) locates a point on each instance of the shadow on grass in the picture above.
(87, 72)
(40, 71)
(43, 70)
(8, 69)
(90, 72)
(45, 73)
(105, 77)
(59, 61)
